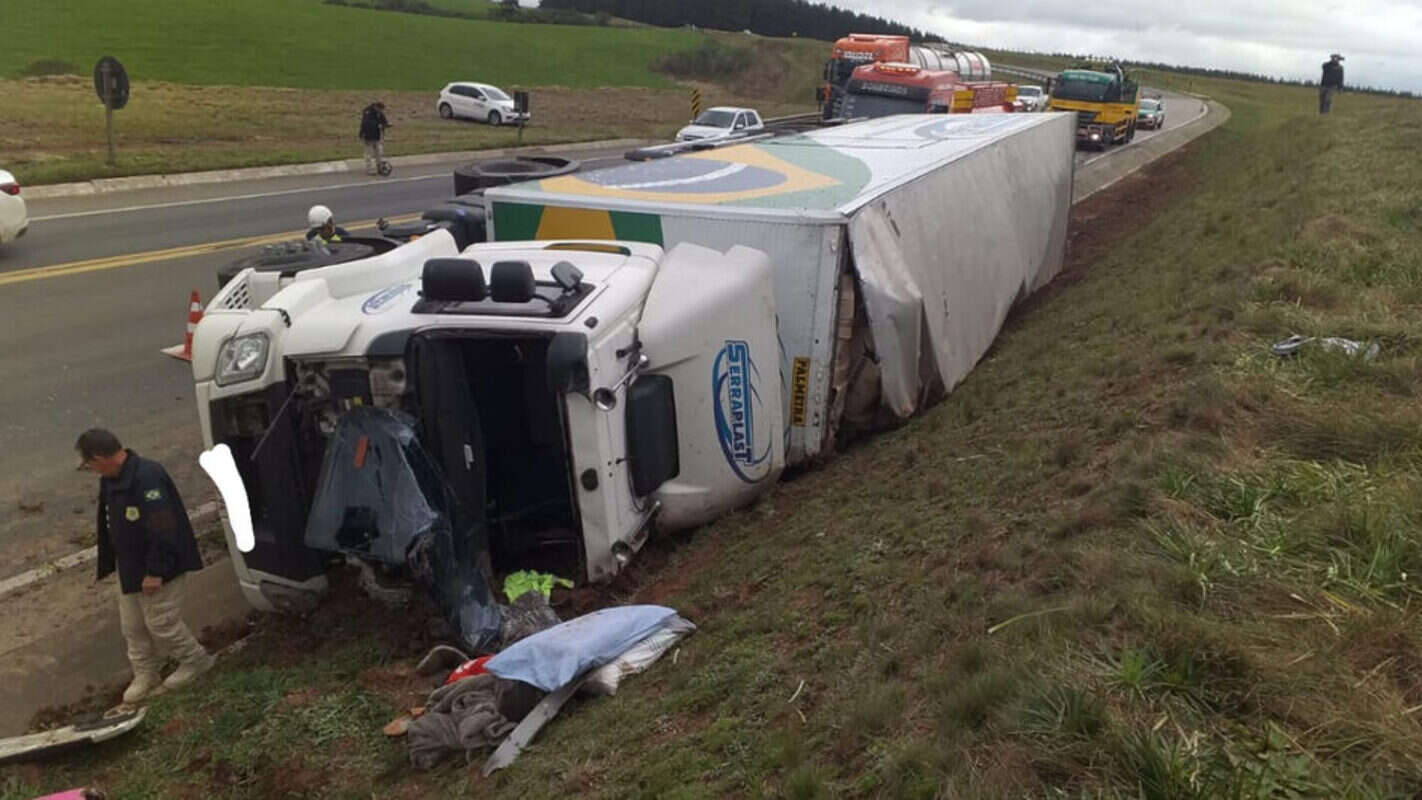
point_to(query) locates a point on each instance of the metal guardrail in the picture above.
(774, 126)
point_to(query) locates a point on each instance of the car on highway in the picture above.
(722, 121)
(14, 219)
(479, 101)
(1030, 98)
(1152, 114)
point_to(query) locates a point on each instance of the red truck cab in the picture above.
(881, 89)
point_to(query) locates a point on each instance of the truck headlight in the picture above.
(242, 358)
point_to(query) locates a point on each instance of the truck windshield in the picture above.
(873, 105)
(715, 119)
(842, 68)
(1090, 91)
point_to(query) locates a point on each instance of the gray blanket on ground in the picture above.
(467, 716)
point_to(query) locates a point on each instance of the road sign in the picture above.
(111, 83)
(695, 103)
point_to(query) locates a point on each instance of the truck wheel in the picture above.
(445, 111)
(495, 118)
(500, 172)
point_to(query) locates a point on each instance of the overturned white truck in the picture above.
(646, 345)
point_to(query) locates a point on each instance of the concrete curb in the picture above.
(1129, 160)
(89, 653)
(201, 514)
(106, 185)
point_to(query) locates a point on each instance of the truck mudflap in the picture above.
(381, 497)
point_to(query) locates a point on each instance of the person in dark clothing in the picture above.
(372, 132)
(144, 534)
(323, 226)
(1331, 83)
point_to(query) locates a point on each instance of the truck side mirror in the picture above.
(568, 363)
(652, 448)
(567, 276)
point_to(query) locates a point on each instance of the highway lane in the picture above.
(82, 349)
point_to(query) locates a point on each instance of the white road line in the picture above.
(230, 198)
(84, 556)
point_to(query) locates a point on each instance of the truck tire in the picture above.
(503, 171)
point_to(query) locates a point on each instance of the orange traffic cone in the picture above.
(184, 351)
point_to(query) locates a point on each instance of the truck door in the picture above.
(705, 432)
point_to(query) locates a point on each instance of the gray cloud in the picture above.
(1284, 38)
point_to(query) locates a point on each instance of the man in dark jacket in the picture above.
(1332, 82)
(372, 131)
(145, 534)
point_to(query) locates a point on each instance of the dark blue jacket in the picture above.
(143, 526)
(1332, 74)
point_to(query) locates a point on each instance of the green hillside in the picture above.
(307, 44)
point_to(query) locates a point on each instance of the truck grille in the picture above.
(1085, 117)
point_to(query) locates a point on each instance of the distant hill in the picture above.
(309, 44)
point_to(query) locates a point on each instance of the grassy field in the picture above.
(55, 130)
(1134, 555)
(306, 44)
(222, 86)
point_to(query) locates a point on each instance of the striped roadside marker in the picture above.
(184, 351)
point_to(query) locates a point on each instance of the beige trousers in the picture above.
(374, 154)
(153, 627)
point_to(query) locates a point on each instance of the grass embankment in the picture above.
(277, 81)
(1133, 555)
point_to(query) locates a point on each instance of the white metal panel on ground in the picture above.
(942, 259)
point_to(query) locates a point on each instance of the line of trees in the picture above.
(765, 17)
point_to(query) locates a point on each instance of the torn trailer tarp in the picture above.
(381, 497)
(938, 222)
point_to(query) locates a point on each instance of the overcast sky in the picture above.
(1380, 39)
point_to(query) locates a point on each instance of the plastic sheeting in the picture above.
(551, 659)
(381, 497)
(942, 259)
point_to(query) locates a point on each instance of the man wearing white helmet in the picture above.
(323, 226)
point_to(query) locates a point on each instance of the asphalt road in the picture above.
(82, 340)
(90, 296)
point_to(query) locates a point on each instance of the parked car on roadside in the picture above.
(1152, 113)
(479, 101)
(722, 121)
(14, 219)
(1030, 98)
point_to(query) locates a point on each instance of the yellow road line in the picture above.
(134, 259)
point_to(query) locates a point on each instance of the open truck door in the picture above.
(704, 420)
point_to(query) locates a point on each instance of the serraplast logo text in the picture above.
(737, 403)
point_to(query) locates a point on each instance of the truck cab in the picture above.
(876, 90)
(570, 395)
(1106, 103)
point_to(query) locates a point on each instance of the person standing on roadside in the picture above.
(372, 132)
(1331, 82)
(144, 533)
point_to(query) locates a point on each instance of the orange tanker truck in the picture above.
(858, 49)
(878, 90)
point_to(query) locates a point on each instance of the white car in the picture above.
(14, 219)
(1030, 98)
(722, 121)
(478, 101)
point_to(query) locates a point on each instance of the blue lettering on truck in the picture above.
(736, 401)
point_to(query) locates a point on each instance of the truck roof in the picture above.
(822, 175)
